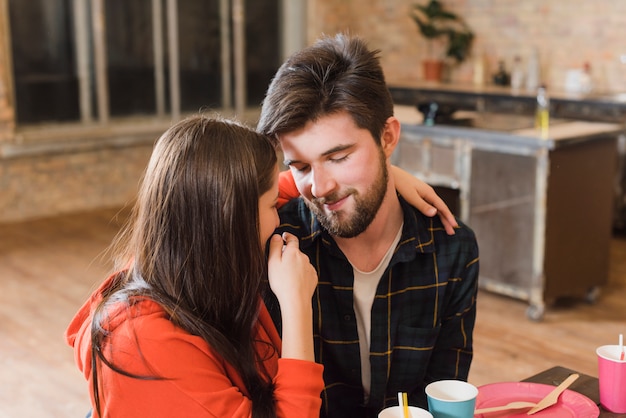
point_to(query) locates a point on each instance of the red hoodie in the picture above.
(200, 383)
(287, 189)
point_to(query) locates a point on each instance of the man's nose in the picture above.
(322, 183)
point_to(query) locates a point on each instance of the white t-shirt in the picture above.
(365, 284)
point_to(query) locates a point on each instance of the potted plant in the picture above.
(449, 37)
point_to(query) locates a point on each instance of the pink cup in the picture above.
(612, 378)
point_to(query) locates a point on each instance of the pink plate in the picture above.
(570, 403)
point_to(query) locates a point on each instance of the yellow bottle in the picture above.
(542, 116)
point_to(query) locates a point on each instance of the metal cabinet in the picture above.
(541, 208)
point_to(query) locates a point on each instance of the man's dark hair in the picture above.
(336, 74)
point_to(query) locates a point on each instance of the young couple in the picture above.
(368, 296)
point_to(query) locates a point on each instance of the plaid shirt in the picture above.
(422, 317)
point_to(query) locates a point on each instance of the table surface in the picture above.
(585, 384)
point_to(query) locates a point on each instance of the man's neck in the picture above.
(369, 247)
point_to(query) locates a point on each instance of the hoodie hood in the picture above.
(78, 333)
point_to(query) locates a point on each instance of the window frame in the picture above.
(96, 126)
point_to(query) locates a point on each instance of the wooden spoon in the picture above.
(509, 406)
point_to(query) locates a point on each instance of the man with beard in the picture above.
(396, 300)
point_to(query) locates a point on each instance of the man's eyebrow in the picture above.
(338, 148)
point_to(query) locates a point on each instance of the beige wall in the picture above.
(566, 34)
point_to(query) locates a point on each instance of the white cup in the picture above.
(397, 412)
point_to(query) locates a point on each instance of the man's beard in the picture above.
(338, 223)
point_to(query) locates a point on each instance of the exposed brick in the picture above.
(566, 33)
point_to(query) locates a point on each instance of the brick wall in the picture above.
(566, 34)
(48, 184)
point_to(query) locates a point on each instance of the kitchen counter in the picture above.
(541, 207)
(499, 128)
(596, 106)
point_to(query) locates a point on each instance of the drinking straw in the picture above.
(405, 405)
(621, 347)
(402, 401)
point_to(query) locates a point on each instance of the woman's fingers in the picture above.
(291, 276)
(290, 239)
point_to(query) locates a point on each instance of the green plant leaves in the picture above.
(435, 22)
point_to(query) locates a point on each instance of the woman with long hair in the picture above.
(180, 329)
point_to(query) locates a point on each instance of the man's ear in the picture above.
(391, 135)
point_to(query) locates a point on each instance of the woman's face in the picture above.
(268, 212)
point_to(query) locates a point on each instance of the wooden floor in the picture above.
(48, 268)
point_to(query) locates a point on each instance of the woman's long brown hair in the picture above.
(193, 239)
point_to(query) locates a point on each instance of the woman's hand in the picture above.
(290, 272)
(293, 279)
(423, 197)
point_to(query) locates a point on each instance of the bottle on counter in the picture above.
(532, 75)
(517, 74)
(542, 116)
(501, 77)
(479, 70)
(586, 84)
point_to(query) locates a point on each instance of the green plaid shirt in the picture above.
(422, 317)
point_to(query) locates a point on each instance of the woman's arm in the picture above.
(196, 381)
(423, 197)
(293, 280)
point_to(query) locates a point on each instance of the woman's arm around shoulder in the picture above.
(423, 197)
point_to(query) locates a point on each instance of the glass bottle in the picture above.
(542, 116)
(517, 73)
(532, 75)
(501, 77)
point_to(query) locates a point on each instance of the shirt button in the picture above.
(347, 317)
